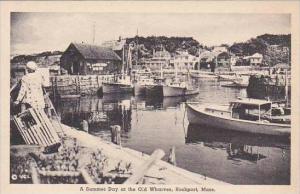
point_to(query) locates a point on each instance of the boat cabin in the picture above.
(250, 109)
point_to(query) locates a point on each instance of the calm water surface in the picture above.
(148, 124)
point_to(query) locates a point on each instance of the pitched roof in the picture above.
(115, 45)
(89, 51)
(257, 55)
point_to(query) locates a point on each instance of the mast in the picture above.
(123, 59)
(94, 32)
(286, 88)
(161, 68)
(137, 47)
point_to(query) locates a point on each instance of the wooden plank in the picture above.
(139, 172)
(86, 176)
(39, 134)
(45, 127)
(49, 126)
(34, 174)
(39, 126)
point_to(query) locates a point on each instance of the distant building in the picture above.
(117, 46)
(159, 59)
(254, 60)
(85, 59)
(278, 48)
(220, 49)
(207, 60)
(184, 60)
(222, 60)
(215, 60)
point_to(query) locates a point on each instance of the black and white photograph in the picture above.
(191, 99)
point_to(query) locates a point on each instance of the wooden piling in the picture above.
(115, 134)
(118, 135)
(85, 126)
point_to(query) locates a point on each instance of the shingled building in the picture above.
(86, 59)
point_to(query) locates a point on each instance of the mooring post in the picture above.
(85, 126)
(113, 132)
(118, 134)
(172, 156)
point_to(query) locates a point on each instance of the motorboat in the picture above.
(246, 115)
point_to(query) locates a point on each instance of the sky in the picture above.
(38, 32)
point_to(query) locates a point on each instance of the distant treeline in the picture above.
(32, 57)
(155, 43)
(260, 44)
(171, 44)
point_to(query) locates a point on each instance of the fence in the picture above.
(77, 84)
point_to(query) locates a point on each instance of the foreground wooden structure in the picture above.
(151, 166)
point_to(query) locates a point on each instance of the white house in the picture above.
(183, 60)
(256, 59)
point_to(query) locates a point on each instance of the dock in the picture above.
(170, 173)
(152, 171)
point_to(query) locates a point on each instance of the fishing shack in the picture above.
(87, 59)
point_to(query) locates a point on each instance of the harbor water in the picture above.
(151, 123)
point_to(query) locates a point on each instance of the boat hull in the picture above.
(139, 90)
(153, 90)
(198, 116)
(191, 92)
(108, 88)
(169, 91)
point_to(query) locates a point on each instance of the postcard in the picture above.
(150, 97)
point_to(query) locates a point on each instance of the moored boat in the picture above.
(121, 85)
(173, 90)
(203, 74)
(247, 115)
(143, 78)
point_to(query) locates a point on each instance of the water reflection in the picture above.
(151, 123)
(238, 145)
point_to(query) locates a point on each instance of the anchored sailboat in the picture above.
(121, 83)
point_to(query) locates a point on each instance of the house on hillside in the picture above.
(254, 60)
(87, 59)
